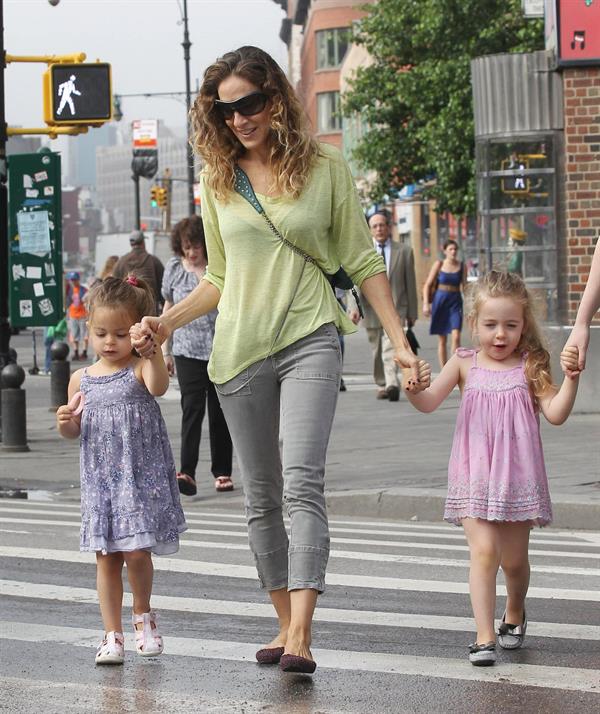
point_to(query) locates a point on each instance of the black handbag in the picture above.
(339, 279)
(411, 338)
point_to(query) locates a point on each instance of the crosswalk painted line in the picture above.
(340, 541)
(66, 593)
(179, 565)
(565, 678)
(394, 558)
(547, 535)
(446, 533)
(374, 557)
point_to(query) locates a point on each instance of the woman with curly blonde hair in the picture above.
(280, 213)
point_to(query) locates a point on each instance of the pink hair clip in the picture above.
(132, 280)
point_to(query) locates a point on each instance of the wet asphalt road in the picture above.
(390, 636)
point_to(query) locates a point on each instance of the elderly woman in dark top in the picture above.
(187, 353)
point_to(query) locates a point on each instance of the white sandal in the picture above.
(111, 650)
(148, 640)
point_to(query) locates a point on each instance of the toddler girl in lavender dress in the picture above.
(129, 497)
(497, 483)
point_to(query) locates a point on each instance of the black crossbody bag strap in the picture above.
(340, 279)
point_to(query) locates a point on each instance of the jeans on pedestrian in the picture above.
(196, 391)
(295, 390)
(48, 342)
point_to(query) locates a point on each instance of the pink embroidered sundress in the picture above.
(496, 470)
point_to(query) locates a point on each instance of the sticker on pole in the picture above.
(34, 232)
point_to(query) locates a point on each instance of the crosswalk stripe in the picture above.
(179, 565)
(65, 593)
(565, 678)
(356, 530)
(394, 558)
(340, 541)
(538, 535)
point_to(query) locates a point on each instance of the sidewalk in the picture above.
(385, 459)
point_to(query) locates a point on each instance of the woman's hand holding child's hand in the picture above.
(569, 361)
(143, 339)
(424, 378)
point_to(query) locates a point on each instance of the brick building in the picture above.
(580, 217)
(317, 33)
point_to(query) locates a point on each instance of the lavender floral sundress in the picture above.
(129, 494)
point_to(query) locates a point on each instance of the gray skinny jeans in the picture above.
(303, 379)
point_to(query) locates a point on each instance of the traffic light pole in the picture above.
(4, 324)
(136, 182)
(188, 101)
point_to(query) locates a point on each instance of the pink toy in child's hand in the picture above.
(76, 403)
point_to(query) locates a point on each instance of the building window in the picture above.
(328, 112)
(331, 47)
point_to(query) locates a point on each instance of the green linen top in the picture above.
(256, 273)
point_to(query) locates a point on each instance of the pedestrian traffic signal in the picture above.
(78, 93)
(517, 184)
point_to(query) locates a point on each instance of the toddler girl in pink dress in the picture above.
(497, 483)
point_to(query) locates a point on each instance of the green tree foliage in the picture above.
(416, 97)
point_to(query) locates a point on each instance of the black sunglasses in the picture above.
(251, 104)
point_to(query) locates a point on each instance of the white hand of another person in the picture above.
(579, 339)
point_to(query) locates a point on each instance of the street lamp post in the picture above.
(188, 97)
(4, 324)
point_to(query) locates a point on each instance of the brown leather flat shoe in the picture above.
(294, 663)
(269, 655)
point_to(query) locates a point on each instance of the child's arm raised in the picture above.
(68, 423)
(430, 399)
(153, 372)
(556, 403)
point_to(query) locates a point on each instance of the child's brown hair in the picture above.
(498, 284)
(131, 294)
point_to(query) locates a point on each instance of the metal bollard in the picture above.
(14, 416)
(60, 373)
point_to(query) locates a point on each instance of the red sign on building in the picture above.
(572, 29)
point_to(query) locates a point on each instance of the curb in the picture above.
(428, 505)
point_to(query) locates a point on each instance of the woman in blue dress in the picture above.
(442, 299)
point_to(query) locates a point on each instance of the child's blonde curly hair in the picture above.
(498, 284)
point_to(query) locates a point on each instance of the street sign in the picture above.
(35, 240)
(145, 133)
(78, 93)
(571, 30)
(533, 8)
(145, 147)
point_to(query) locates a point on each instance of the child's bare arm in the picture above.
(557, 403)
(430, 399)
(68, 423)
(154, 373)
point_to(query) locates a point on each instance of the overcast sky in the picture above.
(140, 38)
